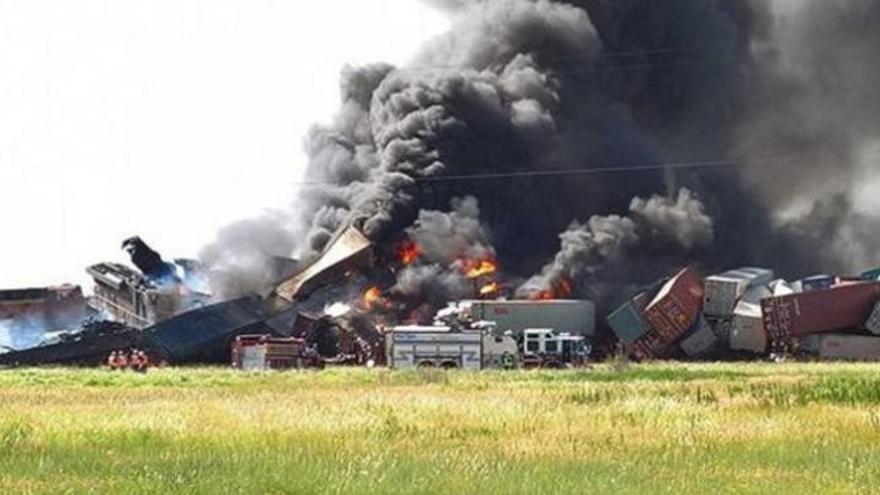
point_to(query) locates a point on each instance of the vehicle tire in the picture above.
(449, 365)
(551, 365)
(425, 364)
(508, 361)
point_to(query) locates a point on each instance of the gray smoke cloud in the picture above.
(445, 237)
(680, 224)
(241, 258)
(449, 244)
(528, 86)
(811, 115)
(683, 222)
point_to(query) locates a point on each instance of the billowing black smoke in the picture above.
(680, 226)
(777, 96)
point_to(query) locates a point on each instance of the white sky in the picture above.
(166, 118)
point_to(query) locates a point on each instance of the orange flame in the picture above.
(408, 252)
(479, 268)
(488, 289)
(372, 296)
(559, 289)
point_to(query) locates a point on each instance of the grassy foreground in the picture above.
(665, 428)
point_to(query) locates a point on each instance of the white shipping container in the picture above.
(577, 317)
(747, 329)
(722, 291)
(872, 324)
(844, 347)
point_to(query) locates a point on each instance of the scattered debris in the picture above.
(89, 346)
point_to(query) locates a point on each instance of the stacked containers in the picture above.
(722, 291)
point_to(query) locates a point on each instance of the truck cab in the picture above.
(547, 348)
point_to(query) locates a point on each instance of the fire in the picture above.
(408, 252)
(372, 296)
(560, 289)
(488, 289)
(480, 268)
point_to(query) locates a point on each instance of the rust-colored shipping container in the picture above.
(676, 307)
(818, 311)
(645, 348)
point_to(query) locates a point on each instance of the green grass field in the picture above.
(664, 428)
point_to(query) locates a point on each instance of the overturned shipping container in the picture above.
(676, 306)
(348, 250)
(672, 313)
(818, 311)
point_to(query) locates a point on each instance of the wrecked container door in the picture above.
(819, 311)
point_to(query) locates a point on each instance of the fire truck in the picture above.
(445, 347)
(548, 348)
(414, 346)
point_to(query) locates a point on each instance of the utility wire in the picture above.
(587, 171)
(559, 172)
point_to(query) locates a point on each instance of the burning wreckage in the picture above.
(332, 311)
(587, 148)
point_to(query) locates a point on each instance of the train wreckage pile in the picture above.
(332, 311)
(542, 151)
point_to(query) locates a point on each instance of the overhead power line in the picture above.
(587, 171)
(560, 172)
